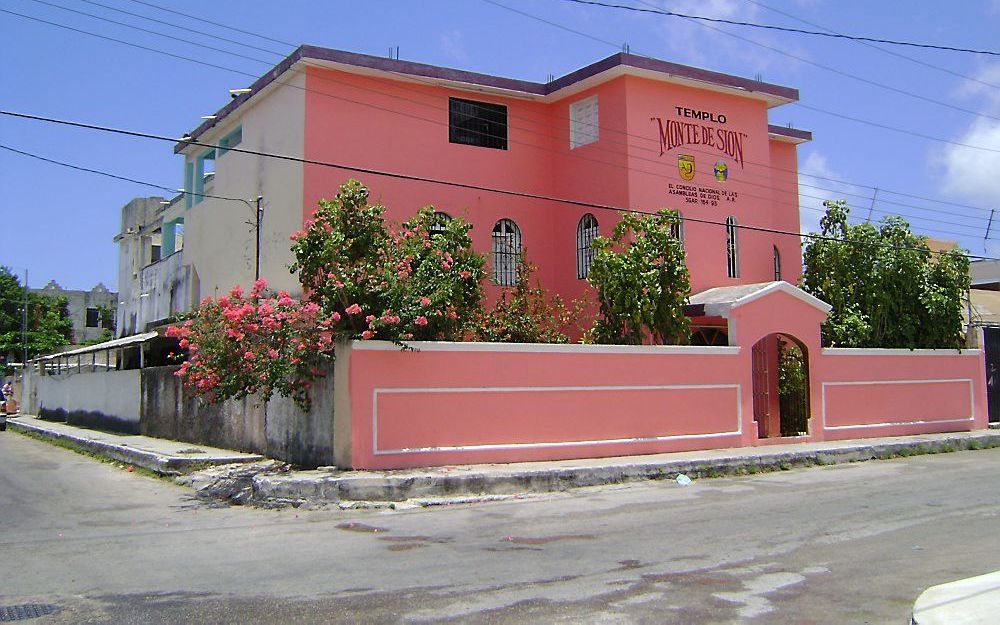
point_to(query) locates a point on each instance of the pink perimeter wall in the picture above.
(466, 403)
(898, 392)
(461, 403)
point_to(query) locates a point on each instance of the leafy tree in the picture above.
(642, 282)
(49, 326)
(420, 281)
(886, 287)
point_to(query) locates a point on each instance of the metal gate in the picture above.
(991, 339)
(761, 388)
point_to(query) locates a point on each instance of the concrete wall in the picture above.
(77, 303)
(218, 243)
(277, 429)
(106, 399)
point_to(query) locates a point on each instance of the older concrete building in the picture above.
(153, 280)
(92, 312)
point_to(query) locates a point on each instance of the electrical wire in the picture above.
(874, 47)
(118, 177)
(719, 20)
(435, 105)
(451, 183)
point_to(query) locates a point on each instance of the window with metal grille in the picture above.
(732, 249)
(93, 318)
(677, 228)
(777, 263)
(440, 222)
(477, 123)
(506, 252)
(586, 232)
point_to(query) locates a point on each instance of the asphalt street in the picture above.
(851, 543)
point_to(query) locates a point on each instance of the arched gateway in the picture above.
(777, 327)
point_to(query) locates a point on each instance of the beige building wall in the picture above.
(219, 243)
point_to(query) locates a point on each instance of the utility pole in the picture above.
(988, 225)
(260, 217)
(24, 327)
(872, 207)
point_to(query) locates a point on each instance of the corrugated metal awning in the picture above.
(99, 347)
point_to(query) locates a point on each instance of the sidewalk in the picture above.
(155, 454)
(479, 482)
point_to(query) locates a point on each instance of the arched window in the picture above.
(586, 232)
(777, 264)
(440, 222)
(506, 252)
(677, 229)
(732, 249)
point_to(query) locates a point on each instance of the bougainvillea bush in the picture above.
(418, 281)
(241, 344)
(524, 314)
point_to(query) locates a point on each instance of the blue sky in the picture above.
(59, 223)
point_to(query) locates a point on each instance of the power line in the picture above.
(116, 176)
(827, 178)
(834, 70)
(719, 20)
(449, 183)
(534, 146)
(874, 47)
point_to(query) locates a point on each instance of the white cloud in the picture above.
(701, 43)
(973, 174)
(817, 182)
(985, 89)
(451, 44)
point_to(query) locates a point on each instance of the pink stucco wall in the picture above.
(462, 403)
(377, 122)
(470, 403)
(898, 392)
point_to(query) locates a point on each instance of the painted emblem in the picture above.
(721, 171)
(685, 165)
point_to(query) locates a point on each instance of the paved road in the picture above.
(842, 544)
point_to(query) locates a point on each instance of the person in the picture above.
(4, 393)
(8, 397)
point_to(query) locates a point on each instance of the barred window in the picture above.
(777, 264)
(506, 252)
(477, 123)
(677, 228)
(586, 232)
(732, 249)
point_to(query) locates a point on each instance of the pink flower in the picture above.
(353, 309)
(272, 353)
(248, 355)
(369, 318)
(367, 334)
(465, 275)
(185, 342)
(421, 320)
(425, 301)
(258, 287)
(335, 316)
(237, 291)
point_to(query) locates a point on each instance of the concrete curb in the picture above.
(500, 480)
(164, 464)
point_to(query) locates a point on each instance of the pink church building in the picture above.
(625, 132)
(541, 169)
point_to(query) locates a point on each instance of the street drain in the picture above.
(24, 612)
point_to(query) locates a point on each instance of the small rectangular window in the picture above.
(477, 123)
(93, 318)
(583, 122)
